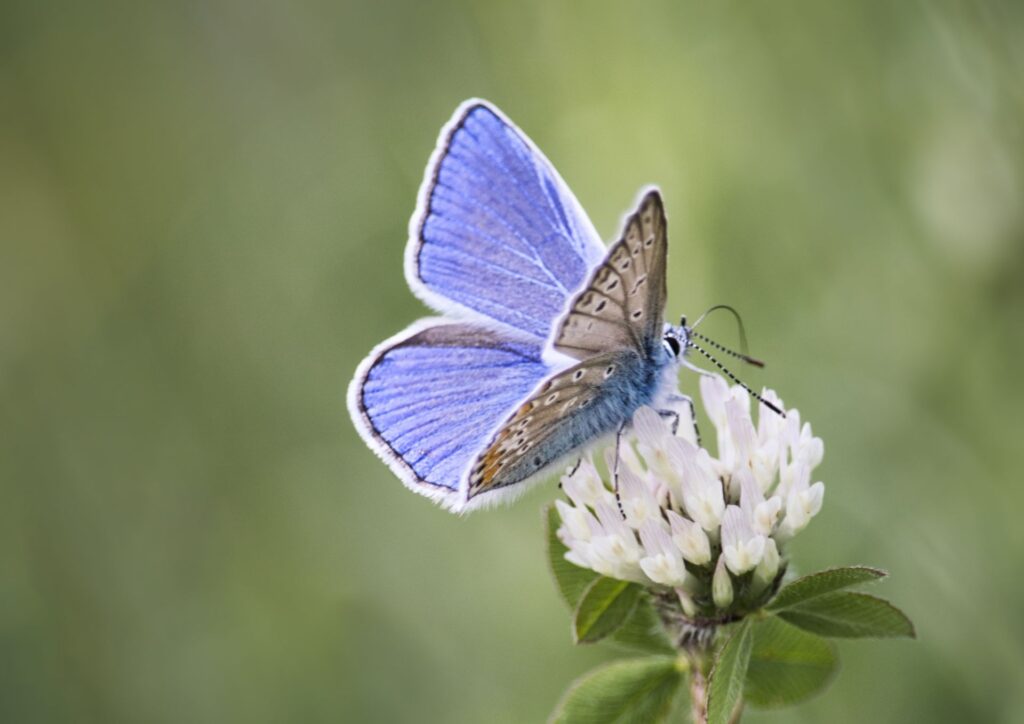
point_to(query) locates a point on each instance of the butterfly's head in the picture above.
(676, 340)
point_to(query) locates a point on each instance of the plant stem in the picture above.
(698, 694)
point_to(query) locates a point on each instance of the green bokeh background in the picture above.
(203, 209)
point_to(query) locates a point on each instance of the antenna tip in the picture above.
(772, 407)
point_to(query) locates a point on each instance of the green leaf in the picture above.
(822, 582)
(605, 605)
(787, 665)
(571, 579)
(643, 631)
(725, 683)
(847, 614)
(630, 690)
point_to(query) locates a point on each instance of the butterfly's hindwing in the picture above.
(623, 304)
(427, 399)
(573, 408)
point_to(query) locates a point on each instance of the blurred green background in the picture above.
(203, 209)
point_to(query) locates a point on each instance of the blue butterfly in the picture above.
(549, 342)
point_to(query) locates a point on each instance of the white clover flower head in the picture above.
(684, 522)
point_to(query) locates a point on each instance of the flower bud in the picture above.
(721, 585)
(686, 602)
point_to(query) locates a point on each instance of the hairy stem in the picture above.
(699, 699)
(698, 694)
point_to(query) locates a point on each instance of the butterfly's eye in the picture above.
(672, 345)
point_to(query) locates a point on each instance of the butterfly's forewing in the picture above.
(497, 232)
(623, 304)
(569, 410)
(427, 400)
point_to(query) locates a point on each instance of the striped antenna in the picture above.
(721, 348)
(735, 379)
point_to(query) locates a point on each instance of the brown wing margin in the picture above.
(623, 304)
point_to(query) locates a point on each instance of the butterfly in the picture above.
(548, 342)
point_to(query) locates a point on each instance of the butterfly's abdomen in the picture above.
(633, 384)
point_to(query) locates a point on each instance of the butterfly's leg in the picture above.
(571, 471)
(615, 468)
(670, 415)
(675, 415)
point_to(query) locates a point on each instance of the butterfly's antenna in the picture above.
(739, 323)
(738, 355)
(735, 379)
